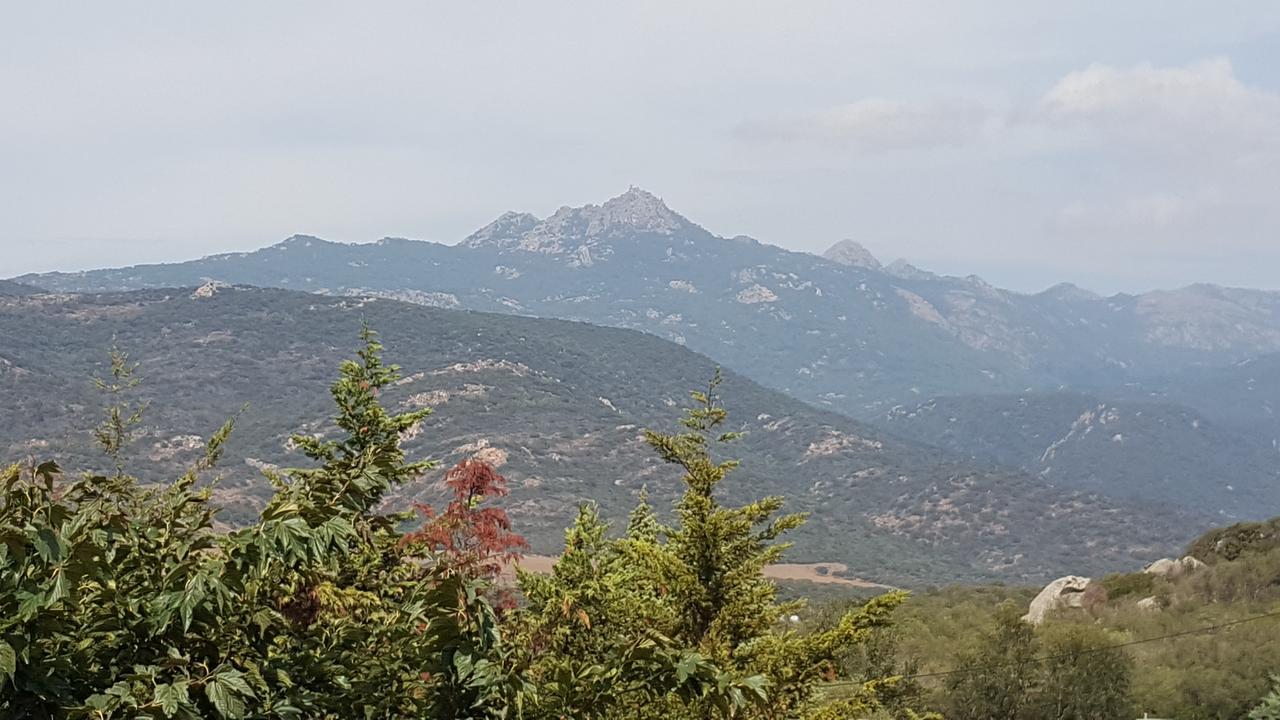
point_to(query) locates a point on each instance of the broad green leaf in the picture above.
(169, 698)
(8, 661)
(49, 545)
(225, 697)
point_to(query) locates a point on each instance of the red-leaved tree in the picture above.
(474, 541)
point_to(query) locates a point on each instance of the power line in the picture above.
(1044, 658)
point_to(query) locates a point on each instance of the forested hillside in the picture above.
(123, 600)
(559, 407)
(1140, 449)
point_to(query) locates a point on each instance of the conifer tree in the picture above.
(699, 584)
(719, 552)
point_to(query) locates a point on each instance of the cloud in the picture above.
(1182, 161)
(878, 124)
(1197, 109)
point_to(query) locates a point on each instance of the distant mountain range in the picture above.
(1162, 403)
(841, 331)
(1138, 450)
(8, 287)
(559, 407)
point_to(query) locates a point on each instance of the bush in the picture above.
(1120, 585)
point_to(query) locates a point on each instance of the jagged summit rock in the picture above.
(508, 225)
(848, 252)
(641, 210)
(900, 268)
(577, 232)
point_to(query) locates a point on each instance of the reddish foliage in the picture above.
(475, 541)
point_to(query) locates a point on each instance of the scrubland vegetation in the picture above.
(124, 599)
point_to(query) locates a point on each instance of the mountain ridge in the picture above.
(856, 339)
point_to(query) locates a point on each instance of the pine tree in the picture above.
(712, 570)
(720, 552)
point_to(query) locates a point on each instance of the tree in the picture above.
(713, 572)
(1082, 677)
(119, 600)
(1076, 676)
(595, 633)
(996, 679)
(718, 553)
(473, 540)
(695, 589)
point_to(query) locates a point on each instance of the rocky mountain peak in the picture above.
(570, 229)
(1069, 292)
(848, 252)
(508, 225)
(641, 210)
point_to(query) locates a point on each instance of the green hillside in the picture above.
(1200, 647)
(1141, 449)
(559, 405)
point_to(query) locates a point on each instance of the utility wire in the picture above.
(1091, 651)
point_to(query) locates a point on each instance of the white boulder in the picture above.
(1149, 603)
(1065, 592)
(1170, 568)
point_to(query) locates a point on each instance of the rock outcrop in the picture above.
(1151, 604)
(208, 290)
(1065, 592)
(582, 233)
(1170, 568)
(848, 252)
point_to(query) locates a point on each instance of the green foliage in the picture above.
(1235, 541)
(1215, 675)
(1011, 674)
(113, 433)
(1137, 585)
(1082, 677)
(1269, 708)
(718, 554)
(122, 600)
(996, 678)
(696, 584)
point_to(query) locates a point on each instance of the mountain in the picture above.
(1245, 395)
(558, 405)
(839, 331)
(9, 287)
(848, 252)
(1141, 450)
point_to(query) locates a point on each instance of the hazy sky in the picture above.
(1118, 145)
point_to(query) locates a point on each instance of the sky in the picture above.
(1120, 146)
